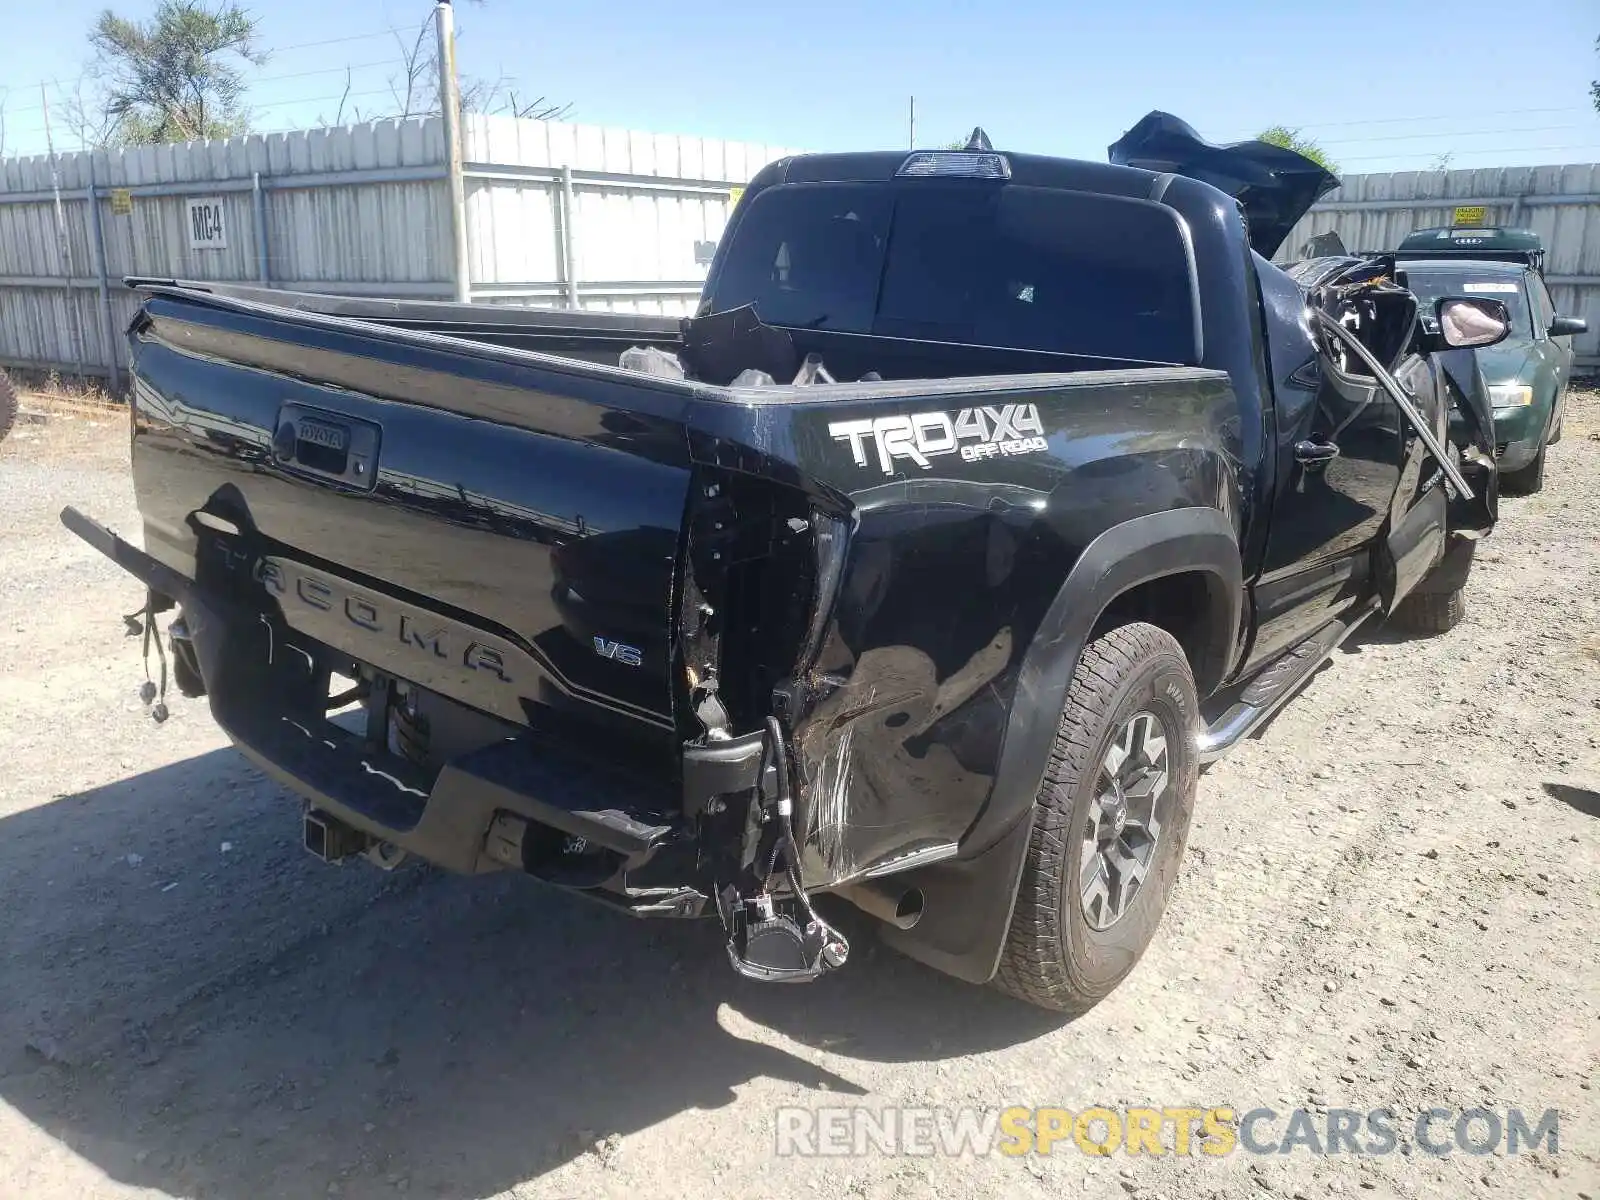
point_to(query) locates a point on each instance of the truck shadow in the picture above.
(1580, 799)
(254, 1024)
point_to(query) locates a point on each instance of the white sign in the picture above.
(208, 229)
(977, 433)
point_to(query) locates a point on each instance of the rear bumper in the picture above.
(652, 847)
(519, 802)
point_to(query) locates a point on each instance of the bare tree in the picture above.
(417, 85)
(339, 113)
(537, 109)
(415, 88)
(87, 118)
(1594, 85)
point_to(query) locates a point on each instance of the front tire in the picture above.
(1110, 822)
(1529, 480)
(1430, 613)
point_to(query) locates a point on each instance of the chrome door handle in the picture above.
(1315, 454)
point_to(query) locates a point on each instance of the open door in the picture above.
(1369, 326)
(1473, 440)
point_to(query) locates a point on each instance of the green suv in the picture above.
(1527, 373)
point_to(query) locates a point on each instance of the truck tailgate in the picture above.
(419, 511)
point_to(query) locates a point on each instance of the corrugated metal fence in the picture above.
(641, 212)
(1561, 204)
(557, 214)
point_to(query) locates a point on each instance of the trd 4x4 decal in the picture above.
(978, 433)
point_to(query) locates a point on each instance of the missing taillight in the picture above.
(748, 591)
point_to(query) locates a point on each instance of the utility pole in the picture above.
(444, 27)
(63, 242)
(911, 143)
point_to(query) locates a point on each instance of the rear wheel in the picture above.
(1110, 822)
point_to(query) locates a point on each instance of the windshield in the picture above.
(1019, 267)
(1432, 283)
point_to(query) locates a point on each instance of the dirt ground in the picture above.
(1390, 900)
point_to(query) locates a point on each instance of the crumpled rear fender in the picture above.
(968, 900)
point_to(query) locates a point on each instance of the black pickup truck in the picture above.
(1071, 489)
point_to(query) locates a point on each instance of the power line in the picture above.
(1590, 147)
(334, 96)
(1456, 116)
(384, 91)
(1449, 133)
(354, 37)
(387, 62)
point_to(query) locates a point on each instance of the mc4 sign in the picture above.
(208, 227)
(990, 431)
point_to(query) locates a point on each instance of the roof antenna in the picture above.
(978, 141)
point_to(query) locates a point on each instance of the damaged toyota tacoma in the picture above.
(985, 499)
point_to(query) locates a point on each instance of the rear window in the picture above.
(1029, 268)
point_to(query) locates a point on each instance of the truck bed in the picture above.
(589, 336)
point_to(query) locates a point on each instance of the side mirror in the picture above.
(1472, 322)
(1566, 326)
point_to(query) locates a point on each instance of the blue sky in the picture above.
(1489, 85)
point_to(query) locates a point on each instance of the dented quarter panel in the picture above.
(906, 707)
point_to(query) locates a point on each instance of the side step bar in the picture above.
(1271, 689)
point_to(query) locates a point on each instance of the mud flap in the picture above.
(1421, 553)
(1469, 394)
(1411, 548)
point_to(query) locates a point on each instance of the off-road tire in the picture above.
(1052, 956)
(1430, 612)
(1528, 481)
(8, 405)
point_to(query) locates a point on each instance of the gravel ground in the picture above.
(1390, 900)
